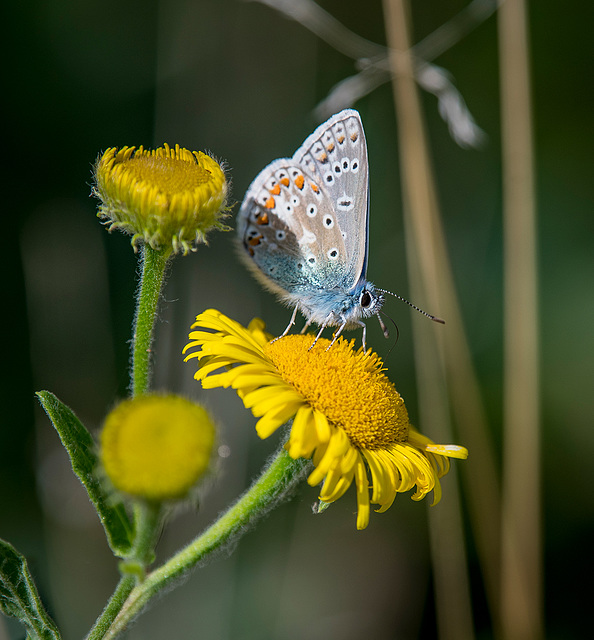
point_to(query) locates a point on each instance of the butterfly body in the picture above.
(303, 226)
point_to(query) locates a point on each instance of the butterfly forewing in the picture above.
(289, 231)
(303, 221)
(335, 155)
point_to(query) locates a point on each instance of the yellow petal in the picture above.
(362, 495)
(274, 419)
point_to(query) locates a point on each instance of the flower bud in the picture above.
(156, 447)
(163, 197)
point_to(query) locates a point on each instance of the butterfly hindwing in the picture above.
(290, 232)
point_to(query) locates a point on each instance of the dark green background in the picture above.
(240, 80)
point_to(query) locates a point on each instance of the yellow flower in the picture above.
(346, 413)
(164, 197)
(156, 447)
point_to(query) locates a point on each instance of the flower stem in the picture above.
(274, 485)
(147, 517)
(151, 282)
(147, 520)
(113, 607)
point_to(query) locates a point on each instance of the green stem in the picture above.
(147, 517)
(271, 487)
(114, 606)
(147, 520)
(151, 282)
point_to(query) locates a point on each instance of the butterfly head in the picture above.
(371, 300)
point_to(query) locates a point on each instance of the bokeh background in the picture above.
(241, 80)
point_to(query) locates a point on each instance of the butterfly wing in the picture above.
(289, 232)
(335, 156)
(303, 221)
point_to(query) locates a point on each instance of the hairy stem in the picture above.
(147, 517)
(153, 273)
(274, 485)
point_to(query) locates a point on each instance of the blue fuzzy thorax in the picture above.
(334, 306)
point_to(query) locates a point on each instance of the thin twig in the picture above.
(374, 67)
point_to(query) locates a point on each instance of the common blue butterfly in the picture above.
(303, 228)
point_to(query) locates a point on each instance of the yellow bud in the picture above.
(156, 447)
(164, 197)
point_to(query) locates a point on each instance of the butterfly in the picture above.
(303, 229)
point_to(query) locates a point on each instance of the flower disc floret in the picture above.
(165, 197)
(346, 414)
(156, 447)
(347, 386)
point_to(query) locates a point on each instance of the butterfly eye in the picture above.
(365, 299)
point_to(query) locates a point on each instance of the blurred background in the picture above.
(241, 80)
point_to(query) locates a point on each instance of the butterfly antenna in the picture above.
(414, 306)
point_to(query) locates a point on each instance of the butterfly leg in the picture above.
(362, 324)
(322, 327)
(306, 326)
(291, 323)
(338, 332)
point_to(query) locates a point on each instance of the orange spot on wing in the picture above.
(262, 218)
(299, 180)
(315, 188)
(254, 242)
(330, 147)
(275, 190)
(285, 181)
(354, 136)
(340, 139)
(269, 203)
(323, 158)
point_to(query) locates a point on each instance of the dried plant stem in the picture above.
(420, 210)
(521, 580)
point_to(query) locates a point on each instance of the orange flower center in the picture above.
(347, 386)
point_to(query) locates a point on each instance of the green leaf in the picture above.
(82, 451)
(19, 597)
